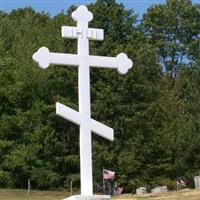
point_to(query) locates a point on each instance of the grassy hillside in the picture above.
(6, 194)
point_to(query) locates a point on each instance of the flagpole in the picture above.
(177, 183)
(103, 182)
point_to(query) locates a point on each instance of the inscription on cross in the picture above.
(83, 118)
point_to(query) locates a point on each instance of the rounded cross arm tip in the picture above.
(123, 63)
(82, 14)
(42, 57)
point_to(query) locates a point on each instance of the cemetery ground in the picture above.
(17, 194)
(12, 194)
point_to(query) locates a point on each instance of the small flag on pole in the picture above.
(181, 183)
(118, 190)
(107, 174)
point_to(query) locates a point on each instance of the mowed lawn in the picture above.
(8, 194)
(180, 195)
(11, 194)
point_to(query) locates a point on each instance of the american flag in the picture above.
(118, 190)
(107, 174)
(180, 183)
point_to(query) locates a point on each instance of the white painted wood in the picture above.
(44, 58)
(74, 32)
(102, 130)
(75, 117)
(83, 118)
(121, 62)
(68, 113)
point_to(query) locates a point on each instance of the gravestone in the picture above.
(159, 189)
(83, 118)
(197, 182)
(141, 190)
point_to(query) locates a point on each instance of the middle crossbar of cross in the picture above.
(83, 118)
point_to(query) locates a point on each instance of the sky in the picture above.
(54, 7)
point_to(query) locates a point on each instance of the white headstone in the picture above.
(141, 190)
(159, 189)
(197, 182)
(83, 118)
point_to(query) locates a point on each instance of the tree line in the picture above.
(154, 109)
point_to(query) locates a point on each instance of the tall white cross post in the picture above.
(83, 118)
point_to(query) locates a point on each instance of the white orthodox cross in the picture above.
(83, 118)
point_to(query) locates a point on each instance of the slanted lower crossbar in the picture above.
(75, 117)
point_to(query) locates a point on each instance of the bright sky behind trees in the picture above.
(56, 6)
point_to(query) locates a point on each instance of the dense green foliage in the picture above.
(154, 109)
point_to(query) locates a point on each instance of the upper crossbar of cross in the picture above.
(45, 58)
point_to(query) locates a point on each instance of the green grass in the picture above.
(8, 194)
(180, 195)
